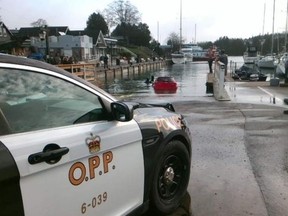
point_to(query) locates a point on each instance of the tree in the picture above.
(39, 23)
(155, 47)
(138, 35)
(121, 11)
(95, 24)
(174, 40)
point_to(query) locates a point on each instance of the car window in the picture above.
(32, 101)
(165, 79)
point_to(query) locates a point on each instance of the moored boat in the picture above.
(280, 69)
(199, 54)
(251, 55)
(178, 58)
(188, 54)
(267, 61)
(246, 72)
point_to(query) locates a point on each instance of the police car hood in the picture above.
(158, 116)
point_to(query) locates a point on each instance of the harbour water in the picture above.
(191, 78)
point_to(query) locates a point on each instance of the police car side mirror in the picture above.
(121, 111)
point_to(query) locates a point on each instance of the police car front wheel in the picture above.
(171, 177)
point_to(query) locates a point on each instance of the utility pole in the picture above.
(285, 45)
(272, 44)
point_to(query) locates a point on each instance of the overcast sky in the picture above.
(202, 20)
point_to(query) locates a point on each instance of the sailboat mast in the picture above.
(264, 18)
(285, 45)
(180, 24)
(272, 44)
(196, 32)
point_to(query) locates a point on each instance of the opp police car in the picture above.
(69, 148)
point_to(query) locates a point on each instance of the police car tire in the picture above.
(166, 197)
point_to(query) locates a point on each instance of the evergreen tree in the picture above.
(96, 23)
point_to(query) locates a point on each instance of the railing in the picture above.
(91, 72)
(85, 71)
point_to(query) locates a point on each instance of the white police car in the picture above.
(69, 148)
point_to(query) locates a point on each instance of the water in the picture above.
(191, 78)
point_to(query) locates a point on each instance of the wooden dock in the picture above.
(91, 72)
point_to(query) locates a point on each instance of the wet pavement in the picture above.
(239, 160)
(239, 147)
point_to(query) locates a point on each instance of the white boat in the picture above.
(178, 58)
(267, 61)
(199, 54)
(188, 53)
(280, 69)
(251, 55)
(193, 52)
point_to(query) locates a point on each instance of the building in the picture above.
(5, 37)
(54, 41)
(78, 47)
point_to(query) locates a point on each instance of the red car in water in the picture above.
(165, 84)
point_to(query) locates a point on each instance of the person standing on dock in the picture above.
(211, 58)
(105, 61)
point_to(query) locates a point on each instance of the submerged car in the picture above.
(69, 148)
(165, 84)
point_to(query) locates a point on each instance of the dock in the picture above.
(92, 72)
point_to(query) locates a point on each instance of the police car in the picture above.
(69, 148)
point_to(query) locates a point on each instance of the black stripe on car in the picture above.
(10, 199)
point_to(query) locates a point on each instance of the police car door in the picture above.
(72, 159)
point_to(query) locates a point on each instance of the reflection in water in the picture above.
(190, 77)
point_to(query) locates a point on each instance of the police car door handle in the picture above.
(48, 155)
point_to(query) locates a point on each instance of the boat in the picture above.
(251, 55)
(280, 69)
(165, 84)
(194, 52)
(199, 54)
(188, 53)
(178, 57)
(267, 61)
(246, 72)
(187, 50)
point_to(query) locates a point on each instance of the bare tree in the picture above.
(39, 23)
(121, 11)
(174, 40)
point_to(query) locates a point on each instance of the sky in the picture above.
(202, 20)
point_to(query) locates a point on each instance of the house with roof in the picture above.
(60, 40)
(78, 47)
(5, 36)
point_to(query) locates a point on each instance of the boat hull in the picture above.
(266, 62)
(178, 58)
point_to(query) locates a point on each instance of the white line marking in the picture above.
(270, 94)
